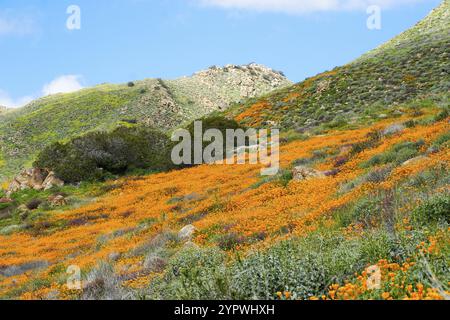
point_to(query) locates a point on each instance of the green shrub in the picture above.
(213, 122)
(442, 115)
(442, 141)
(193, 274)
(34, 204)
(435, 209)
(98, 155)
(373, 139)
(283, 177)
(396, 155)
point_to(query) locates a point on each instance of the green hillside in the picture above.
(154, 102)
(413, 66)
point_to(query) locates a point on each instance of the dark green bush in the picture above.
(444, 114)
(213, 122)
(373, 139)
(436, 209)
(397, 154)
(34, 204)
(97, 155)
(442, 141)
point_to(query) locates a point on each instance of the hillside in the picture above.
(155, 102)
(414, 65)
(363, 190)
(214, 232)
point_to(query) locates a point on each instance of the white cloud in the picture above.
(12, 24)
(63, 84)
(7, 101)
(302, 6)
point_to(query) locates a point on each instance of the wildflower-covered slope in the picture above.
(414, 65)
(330, 228)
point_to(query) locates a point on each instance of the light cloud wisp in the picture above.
(62, 84)
(303, 6)
(20, 25)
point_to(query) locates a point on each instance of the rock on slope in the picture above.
(414, 65)
(155, 102)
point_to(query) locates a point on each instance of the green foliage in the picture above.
(443, 114)
(442, 141)
(215, 122)
(305, 267)
(363, 211)
(197, 274)
(283, 177)
(435, 209)
(212, 122)
(396, 155)
(373, 139)
(34, 204)
(97, 155)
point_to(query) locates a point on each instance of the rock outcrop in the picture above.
(35, 178)
(186, 233)
(301, 173)
(57, 200)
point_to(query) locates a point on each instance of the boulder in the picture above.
(114, 256)
(35, 178)
(14, 186)
(186, 233)
(52, 181)
(393, 129)
(154, 263)
(57, 200)
(414, 160)
(301, 173)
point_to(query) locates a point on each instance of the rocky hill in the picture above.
(155, 102)
(414, 65)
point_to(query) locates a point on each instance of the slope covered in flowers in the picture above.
(236, 211)
(410, 66)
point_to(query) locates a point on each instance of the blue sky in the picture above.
(123, 40)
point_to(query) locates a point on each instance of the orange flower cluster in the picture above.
(394, 285)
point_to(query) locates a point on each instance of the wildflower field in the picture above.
(384, 204)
